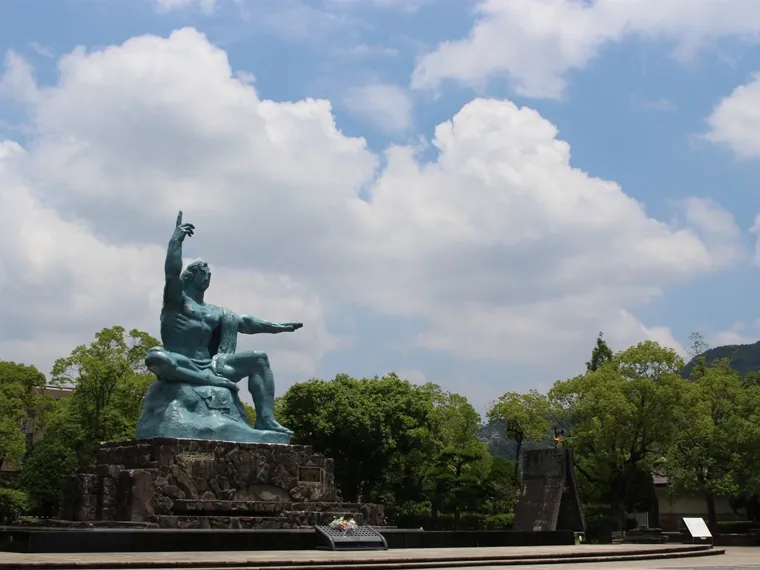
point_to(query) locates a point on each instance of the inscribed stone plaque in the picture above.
(309, 474)
(194, 456)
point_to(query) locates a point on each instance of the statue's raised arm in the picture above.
(173, 264)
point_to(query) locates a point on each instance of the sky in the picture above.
(461, 191)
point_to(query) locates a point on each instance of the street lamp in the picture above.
(516, 432)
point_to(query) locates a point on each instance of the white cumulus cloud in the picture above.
(497, 246)
(735, 120)
(206, 6)
(387, 107)
(534, 43)
(756, 230)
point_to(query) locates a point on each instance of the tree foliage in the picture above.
(601, 354)
(367, 425)
(109, 380)
(702, 455)
(413, 448)
(48, 463)
(622, 417)
(22, 400)
(535, 412)
(13, 504)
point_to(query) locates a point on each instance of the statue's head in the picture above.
(197, 276)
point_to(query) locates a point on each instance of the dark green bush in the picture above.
(599, 524)
(736, 527)
(445, 521)
(13, 504)
(502, 521)
(49, 461)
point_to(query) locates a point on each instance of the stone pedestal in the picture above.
(182, 483)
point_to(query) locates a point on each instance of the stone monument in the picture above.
(196, 462)
(549, 497)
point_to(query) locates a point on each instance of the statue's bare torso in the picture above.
(187, 328)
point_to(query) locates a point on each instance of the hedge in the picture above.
(13, 504)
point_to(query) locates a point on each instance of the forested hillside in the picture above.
(743, 357)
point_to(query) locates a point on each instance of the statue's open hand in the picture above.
(290, 327)
(182, 230)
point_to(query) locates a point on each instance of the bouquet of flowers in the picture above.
(344, 524)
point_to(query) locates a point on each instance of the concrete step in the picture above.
(378, 560)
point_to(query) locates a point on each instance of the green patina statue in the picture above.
(195, 395)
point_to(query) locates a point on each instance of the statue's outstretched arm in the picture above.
(253, 325)
(173, 264)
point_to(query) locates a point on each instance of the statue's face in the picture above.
(202, 277)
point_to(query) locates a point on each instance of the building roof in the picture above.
(58, 392)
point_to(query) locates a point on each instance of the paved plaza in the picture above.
(734, 559)
(748, 558)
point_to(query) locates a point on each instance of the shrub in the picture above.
(13, 504)
(599, 524)
(501, 521)
(49, 461)
(735, 527)
(445, 521)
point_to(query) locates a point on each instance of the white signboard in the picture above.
(697, 528)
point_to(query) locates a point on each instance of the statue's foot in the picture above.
(272, 425)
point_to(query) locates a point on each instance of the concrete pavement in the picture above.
(399, 559)
(735, 558)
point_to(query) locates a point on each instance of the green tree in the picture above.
(600, 355)
(22, 399)
(456, 462)
(535, 412)
(500, 487)
(458, 484)
(621, 417)
(109, 380)
(751, 379)
(697, 345)
(13, 504)
(370, 426)
(12, 416)
(747, 446)
(49, 461)
(708, 428)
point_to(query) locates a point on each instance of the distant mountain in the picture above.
(495, 435)
(743, 357)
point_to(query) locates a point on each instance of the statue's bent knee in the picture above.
(157, 358)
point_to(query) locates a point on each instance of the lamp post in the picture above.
(516, 432)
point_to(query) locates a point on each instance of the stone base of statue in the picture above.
(180, 410)
(185, 483)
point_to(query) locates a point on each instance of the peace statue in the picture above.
(195, 395)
